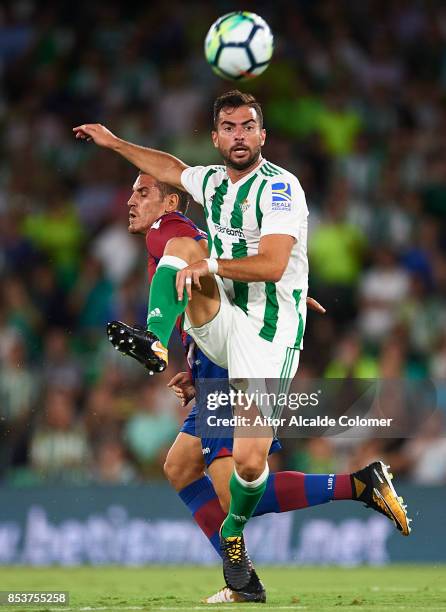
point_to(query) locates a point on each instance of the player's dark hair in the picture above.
(235, 99)
(165, 189)
(183, 198)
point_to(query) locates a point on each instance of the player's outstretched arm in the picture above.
(162, 166)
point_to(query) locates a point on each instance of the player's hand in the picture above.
(313, 305)
(97, 133)
(183, 388)
(191, 275)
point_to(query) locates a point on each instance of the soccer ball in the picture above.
(239, 46)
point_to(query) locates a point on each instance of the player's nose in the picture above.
(239, 133)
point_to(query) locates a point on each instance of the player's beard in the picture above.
(252, 159)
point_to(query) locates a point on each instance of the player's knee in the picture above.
(175, 475)
(170, 471)
(181, 474)
(250, 467)
(184, 247)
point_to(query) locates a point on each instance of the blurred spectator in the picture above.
(382, 291)
(49, 296)
(95, 191)
(18, 387)
(438, 359)
(59, 448)
(103, 416)
(21, 313)
(117, 251)
(426, 454)
(382, 68)
(178, 93)
(361, 166)
(111, 465)
(314, 456)
(336, 251)
(350, 361)
(130, 303)
(17, 383)
(16, 251)
(57, 232)
(59, 367)
(338, 125)
(150, 430)
(420, 257)
(91, 299)
(423, 316)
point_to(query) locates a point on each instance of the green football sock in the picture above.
(164, 307)
(244, 500)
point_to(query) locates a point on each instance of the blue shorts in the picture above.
(213, 448)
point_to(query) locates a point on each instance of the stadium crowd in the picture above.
(355, 106)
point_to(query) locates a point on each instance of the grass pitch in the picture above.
(170, 588)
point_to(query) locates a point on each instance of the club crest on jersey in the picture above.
(244, 205)
(281, 196)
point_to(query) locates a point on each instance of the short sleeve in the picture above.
(283, 207)
(192, 180)
(160, 234)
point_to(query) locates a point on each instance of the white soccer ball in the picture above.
(239, 46)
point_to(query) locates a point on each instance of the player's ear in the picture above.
(171, 202)
(214, 136)
(263, 136)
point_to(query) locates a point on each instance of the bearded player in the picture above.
(248, 309)
(156, 211)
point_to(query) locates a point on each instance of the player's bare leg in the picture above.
(220, 472)
(184, 462)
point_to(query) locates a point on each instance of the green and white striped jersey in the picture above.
(269, 200)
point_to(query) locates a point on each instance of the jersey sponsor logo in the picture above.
(229, 231)
(281, 196)
(156, 225)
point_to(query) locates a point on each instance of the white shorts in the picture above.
(230, 341)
